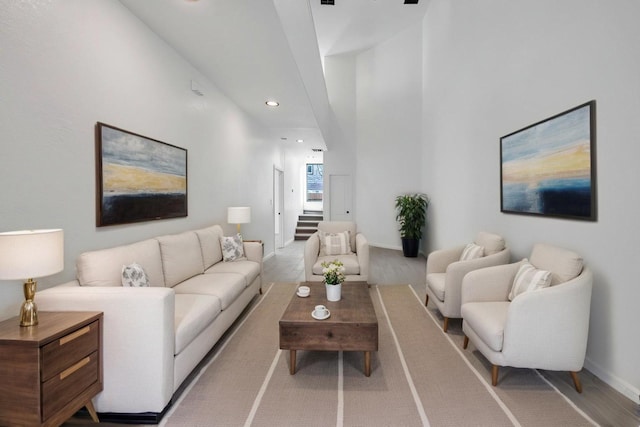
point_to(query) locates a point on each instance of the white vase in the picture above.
(334, 292)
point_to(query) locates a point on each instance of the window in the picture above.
(314, 182)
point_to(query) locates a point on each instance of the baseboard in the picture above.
(269, 255)
(616, 383)
(395, 248)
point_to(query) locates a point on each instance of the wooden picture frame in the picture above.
(549, 168)
(138, 178)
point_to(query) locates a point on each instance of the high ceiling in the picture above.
(255, 50)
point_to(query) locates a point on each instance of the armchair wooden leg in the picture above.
(494, 375)
(576, 381)
(426, 301)
(466, 342)
(446, 324)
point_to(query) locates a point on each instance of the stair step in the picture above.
(301, 237)
(313, 224)
(306, 230)
(310, 217)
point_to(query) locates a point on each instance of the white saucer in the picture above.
(303, 296)
(326, 316)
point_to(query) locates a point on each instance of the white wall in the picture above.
(389, 113)
(65, 65)
(491, 68)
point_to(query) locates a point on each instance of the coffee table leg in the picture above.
(367, 363)
(292, 362)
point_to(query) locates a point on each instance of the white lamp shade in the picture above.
(31, 253)
(239, 215)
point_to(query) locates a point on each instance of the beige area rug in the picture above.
(420, 377)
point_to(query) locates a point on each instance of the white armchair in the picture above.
(445, 271)
(544, 328)
(356, 262)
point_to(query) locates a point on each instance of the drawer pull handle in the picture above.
(64, 374)
(75, 335)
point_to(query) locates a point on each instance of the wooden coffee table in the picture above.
(352, 326)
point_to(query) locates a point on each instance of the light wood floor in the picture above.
(605, 405)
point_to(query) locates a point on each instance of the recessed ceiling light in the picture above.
(299, 140)
(272, 103)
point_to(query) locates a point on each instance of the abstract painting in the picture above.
(548, 168)
(138, 178)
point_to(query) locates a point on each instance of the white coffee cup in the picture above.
(303, 291)
(320, 311)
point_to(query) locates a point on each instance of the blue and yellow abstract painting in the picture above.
(141, 178)
(548, 169)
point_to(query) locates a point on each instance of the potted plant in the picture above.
(411, 212)
(333, 277)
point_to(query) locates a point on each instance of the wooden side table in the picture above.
(51, 370)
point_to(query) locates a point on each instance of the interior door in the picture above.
(341, 199)
(278, 207)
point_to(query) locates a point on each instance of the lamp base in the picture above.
(29, 311)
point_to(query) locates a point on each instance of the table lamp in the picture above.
(27, 254)
(239, 215)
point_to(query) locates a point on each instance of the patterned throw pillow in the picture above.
(528, 278)
(133, 275)
(232, 248)
(335, 243)
(472, 251)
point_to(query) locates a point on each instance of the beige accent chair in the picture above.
(545, 328)
(445, 272)
(356, 264)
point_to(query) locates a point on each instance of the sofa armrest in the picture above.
(138, 341)
(362, 251)
(439, 260)
(548, 328)
(489, 284)
(456, 271)
(311, 252)
(253, 251)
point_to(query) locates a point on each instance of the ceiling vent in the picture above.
(317, 150)
(328, 2)
(411, 1)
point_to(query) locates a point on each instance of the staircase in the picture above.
(307, 224)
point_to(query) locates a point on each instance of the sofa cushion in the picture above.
(104, 267)
(334, 243)
(232, 248)
(133, 275)
(528, 278)
(435, 282)
(193, 313)
(350, 263)
(181, 257)
(492, 243)
(472, 251)
(488, 320)
(226, 286)
(563, 264)
(210, 244)
(249, 269)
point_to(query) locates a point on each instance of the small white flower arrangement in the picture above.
(333, 272)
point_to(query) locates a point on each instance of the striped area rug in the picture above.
(420, 377)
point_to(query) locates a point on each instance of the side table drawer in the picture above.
(68, 350)
(59, 390)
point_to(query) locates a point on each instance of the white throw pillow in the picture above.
(335, 243)
(133, 275)
(232, 248)
(528, 278)
(472, 251)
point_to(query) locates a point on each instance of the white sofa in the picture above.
(155, 336)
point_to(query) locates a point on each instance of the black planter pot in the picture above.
(410, 247)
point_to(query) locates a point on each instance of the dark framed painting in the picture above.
(138, 178)
(549, 168)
